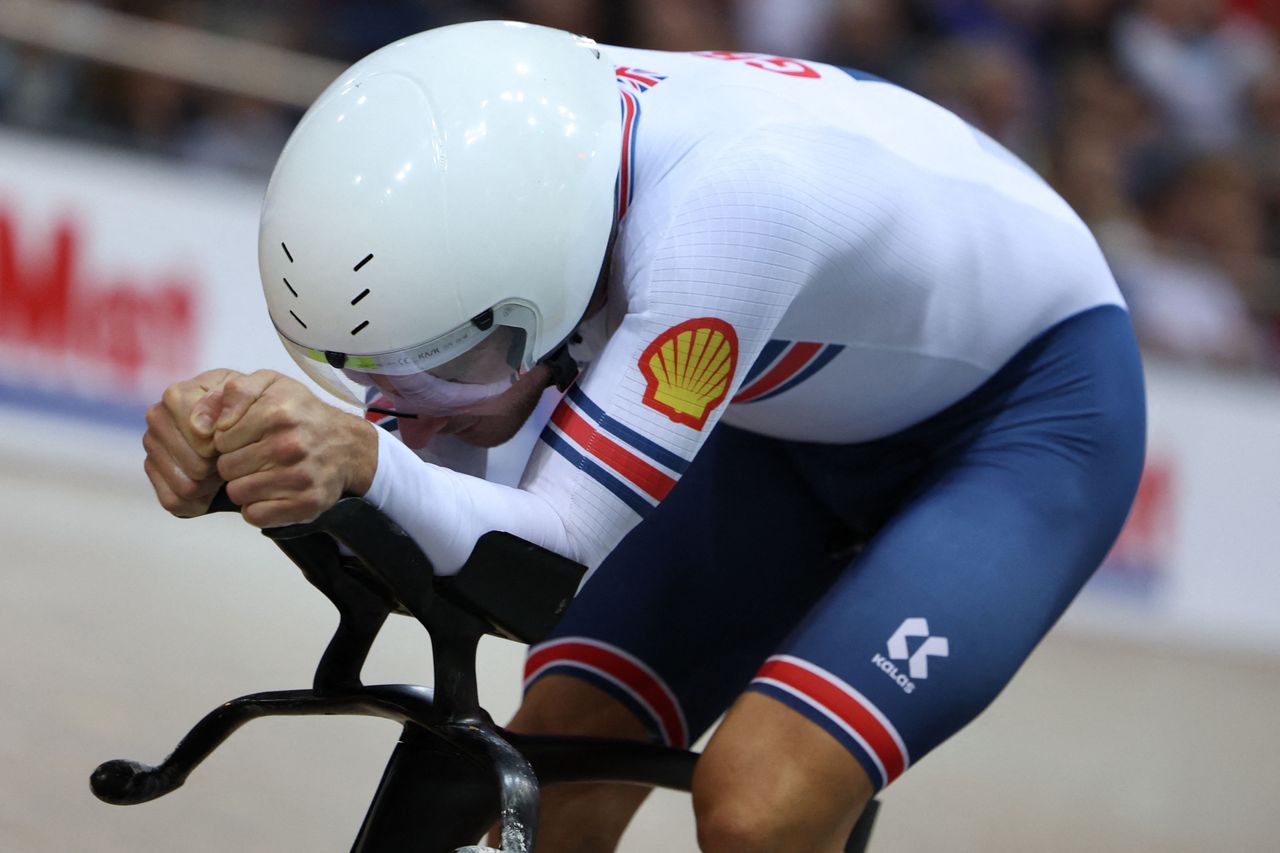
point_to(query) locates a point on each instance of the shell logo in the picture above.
(688, 369)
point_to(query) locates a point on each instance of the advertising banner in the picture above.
(1199, 559)
(119, 275)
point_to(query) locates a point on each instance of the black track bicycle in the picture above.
(453, 773)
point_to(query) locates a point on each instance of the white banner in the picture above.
(1199, 560)
(119, 275)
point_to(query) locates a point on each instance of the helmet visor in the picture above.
(444, 376)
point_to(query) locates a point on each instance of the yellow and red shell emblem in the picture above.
(688, 369)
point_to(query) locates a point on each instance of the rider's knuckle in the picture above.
(235, 386)
(170, 502)
(238, 492)
(249, 512)
(154, 416)
(185, 489)
(290, 449)
(308, 506)
(281, 418)
(172, 397)
(258, 514)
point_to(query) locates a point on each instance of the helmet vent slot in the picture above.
(361, 295)
(357, 329)
(366, 260)
(286, 252)
(299, 319)
(290, 286)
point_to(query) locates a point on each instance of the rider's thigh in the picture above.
(679, 617)
(924, 629)
(581, 818)
(563, 705)
(772, 780)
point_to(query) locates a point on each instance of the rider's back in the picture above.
(910, 252)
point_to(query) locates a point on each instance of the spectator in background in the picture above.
(1189, 272)
(590, 18)
(684, 25)
(1013, 22)
(1102, 129)
(1086, 165)
(1072, 31)
(141, 110)
(1092, 92)
(235, 133)
(1262, 149)
(38, 89)
(1266, 12)
(794, 28)
(874, 36)
(989, 84)
(1197, 61)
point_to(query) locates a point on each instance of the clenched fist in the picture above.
(285, 455)
(181, 458)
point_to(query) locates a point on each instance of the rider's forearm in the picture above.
(446, 512)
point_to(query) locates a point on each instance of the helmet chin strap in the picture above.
(562, 366)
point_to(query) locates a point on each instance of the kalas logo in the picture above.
(918, 660)
(49, 309)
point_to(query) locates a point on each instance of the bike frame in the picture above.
(453, 773)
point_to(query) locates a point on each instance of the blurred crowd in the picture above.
(1158, 120)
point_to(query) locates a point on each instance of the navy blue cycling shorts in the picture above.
(886, 590)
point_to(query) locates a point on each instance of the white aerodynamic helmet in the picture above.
(437, 222)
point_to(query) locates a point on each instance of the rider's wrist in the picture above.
(362, 462)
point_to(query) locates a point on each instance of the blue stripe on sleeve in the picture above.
(829, 352)
(597, 473)
(865, 76)
(648, 447)
(767, 356)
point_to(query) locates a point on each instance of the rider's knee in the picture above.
(728, 825)
(730, 819)
(734, 811)
(755, 806)
(561, 705)
(580, 816)
(742, 821)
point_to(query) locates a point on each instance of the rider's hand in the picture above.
(287, 456)
(179, 442)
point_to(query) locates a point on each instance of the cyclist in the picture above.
(853, 406)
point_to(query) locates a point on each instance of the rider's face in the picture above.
(486, 424)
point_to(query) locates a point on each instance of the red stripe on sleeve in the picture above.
(789, 366)
(635, 470)
(624, 168)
